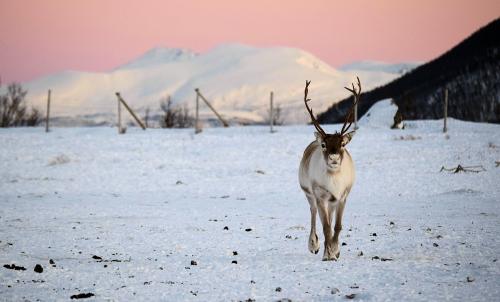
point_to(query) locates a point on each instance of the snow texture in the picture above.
(164, 214)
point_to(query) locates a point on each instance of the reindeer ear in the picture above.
(347, 138)
(318, 136)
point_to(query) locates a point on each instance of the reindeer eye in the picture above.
(323, 145)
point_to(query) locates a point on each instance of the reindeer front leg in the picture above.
(338, 227)
(325, 215)
(313, 242)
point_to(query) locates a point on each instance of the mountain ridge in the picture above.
(237, 79)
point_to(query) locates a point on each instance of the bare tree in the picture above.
(169, 114)
(184, 119)
(175, 117)
(13, 111)
(34, 118)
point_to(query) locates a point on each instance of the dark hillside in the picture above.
(470, 71)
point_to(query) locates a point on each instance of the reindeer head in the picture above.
(333, 145)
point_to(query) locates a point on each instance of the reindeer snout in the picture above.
(334, 158)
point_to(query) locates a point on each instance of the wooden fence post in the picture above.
(445, 109)
(48, 113)
(119, 117)
(130, 111)
(197, 128)
(212, 108)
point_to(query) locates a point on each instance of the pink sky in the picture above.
(41, 37)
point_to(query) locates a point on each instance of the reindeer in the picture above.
(326, 175)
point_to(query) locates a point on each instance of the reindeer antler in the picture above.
(348, 117)
(313, 119)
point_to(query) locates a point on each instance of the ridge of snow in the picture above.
(158, 56)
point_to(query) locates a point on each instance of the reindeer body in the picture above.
(327, 191)
(314, 174)
(326, 175)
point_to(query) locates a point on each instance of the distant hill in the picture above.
(237, 79)
(470, 71)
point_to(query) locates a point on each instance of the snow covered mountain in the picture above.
(237, 80)
(400, 68)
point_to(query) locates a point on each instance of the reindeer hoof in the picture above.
(314, 244)
(314, 250)
(333, 258)
(330, 255)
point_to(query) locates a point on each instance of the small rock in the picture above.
(260, 172)
(470, 279)
(360, 253)
(344, 244)
(179, 182)
(391, 223)
(51, 262)
(248, 230)
(375, 258)
(435, 244)
(234, 262)
(14, 267)
(350, 296)
(38, 269)
(226, 228)
(278, 289)
(335, 291)
(374, 234)
(194, 262)
(82, 296)
(235, 253)
(96, 257)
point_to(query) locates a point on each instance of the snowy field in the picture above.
(126, 217)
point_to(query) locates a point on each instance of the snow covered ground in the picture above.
(148, 203)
